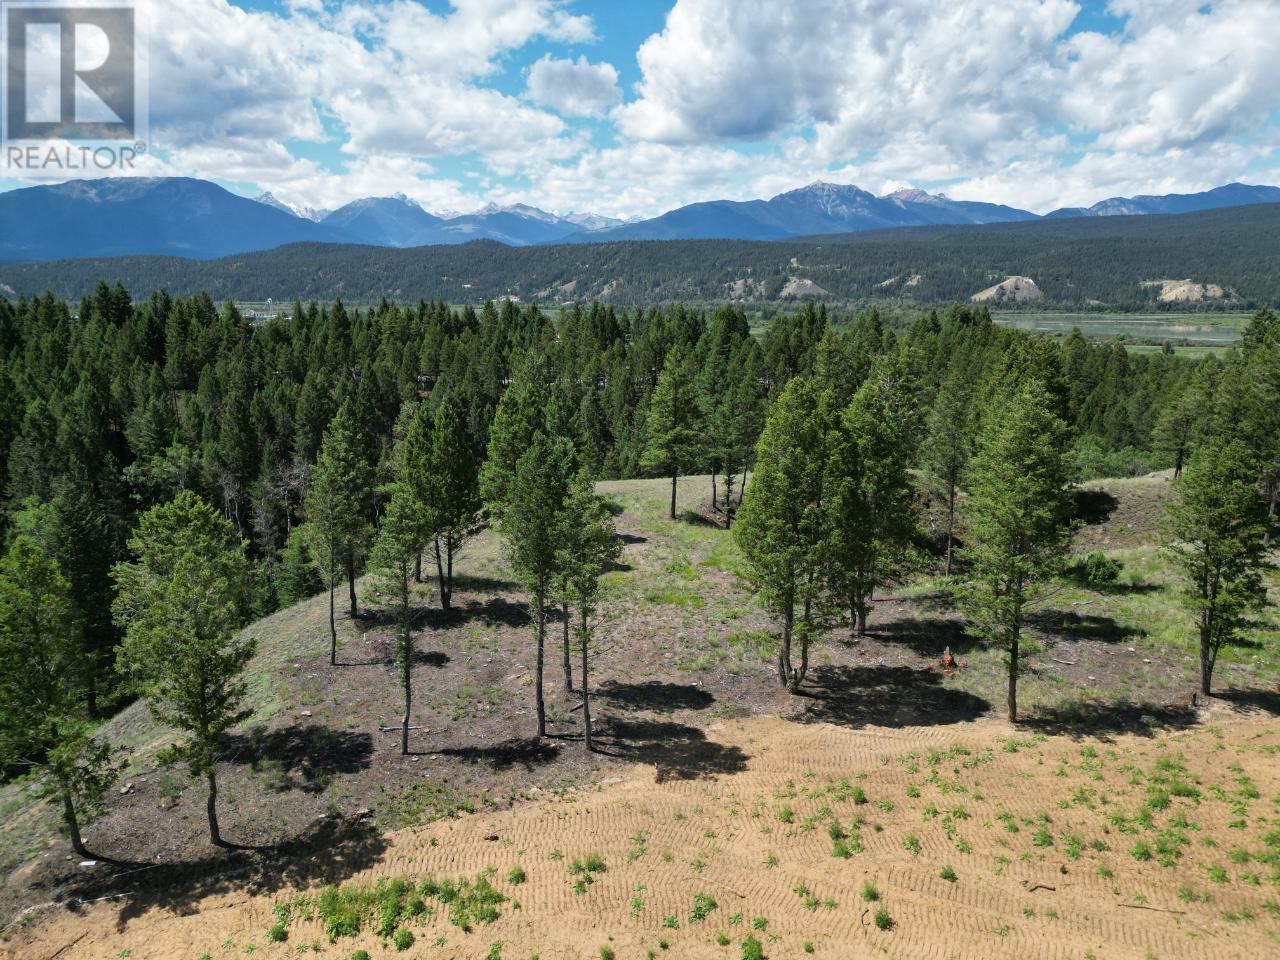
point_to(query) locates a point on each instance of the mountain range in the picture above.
(197, 219)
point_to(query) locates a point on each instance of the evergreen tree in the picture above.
(673, 430)
(780, 527)
(335, 509)
(590, 547)
(297, 579)
(397, 547)
(180, 603)
(534, 525)
(1215, 531)
(872, 524)
(947, 448)
(1016, 518)
(453, 500)
(41, 724)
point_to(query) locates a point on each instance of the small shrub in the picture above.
(278, 933)
(722, 939)
(517, 876)
(869, 892)
(606, 953)
(403, 939)
(360, 955)
(884, 921)
(808, 946)
(752, 949)
(912, 844)
(1099, 570)
(495, 952)
(948, 874)
(703, 904)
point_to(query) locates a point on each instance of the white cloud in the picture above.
(991, 101)
(573, 88)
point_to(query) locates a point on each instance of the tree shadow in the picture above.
(884, 696)
(632, 538)
(1251, 698)
(329, 851)
(430, 658)
(676, 751)
(475, 584)
(302, 758)
(1069, 625)
(527, 752)
(655, 695)
(926, 636)
(696, 519)
(1105, 719)
(494, 612)
(1093, 507)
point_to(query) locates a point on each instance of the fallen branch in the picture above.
(398, 727)
(1144, 906)
(1039, 886)
(1069, 663)
(61, 950)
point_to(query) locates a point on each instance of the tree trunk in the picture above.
(417, 568)
(541, 620)
(73, 825)
(1206, 659)
(333, 629)
(728, 501)
(951, 525)
(351, 582)
(784, 650)
(674, 478)
(1272, 509)
(407, 679)
(91, 687)
(715, 498)
(586, 690)
(568, 665)
(445, 582)
(1013, 678)
(215, 835)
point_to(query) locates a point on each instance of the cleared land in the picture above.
(697, 738)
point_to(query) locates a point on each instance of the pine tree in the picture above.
(589, 548)
(1016, 518)
(41, 724)
(781, 524)
(534, 525)
(398, 545)
(335, 508)
(180, 603)
(1215, 539)
(673, 431)
(297, 579)
(873, 526)
(947, 448)
(453, 501)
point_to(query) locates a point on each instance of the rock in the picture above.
(491, 837)
(168, 803)
(127, 788)
(305, 713)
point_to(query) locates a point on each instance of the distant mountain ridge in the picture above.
(200, 220)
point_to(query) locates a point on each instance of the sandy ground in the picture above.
(1044, 836)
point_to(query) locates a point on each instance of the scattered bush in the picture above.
(516, 876)
(752, 949)
(606, 953)
(403, 939)
(883, 920)
(948, 874)
(278, 933)
(869, 892)
(703, 904)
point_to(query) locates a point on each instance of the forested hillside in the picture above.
(115, 407)
(1089, 262)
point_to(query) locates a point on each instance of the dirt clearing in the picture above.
(971, 840)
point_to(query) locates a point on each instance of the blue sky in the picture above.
(631, 108)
